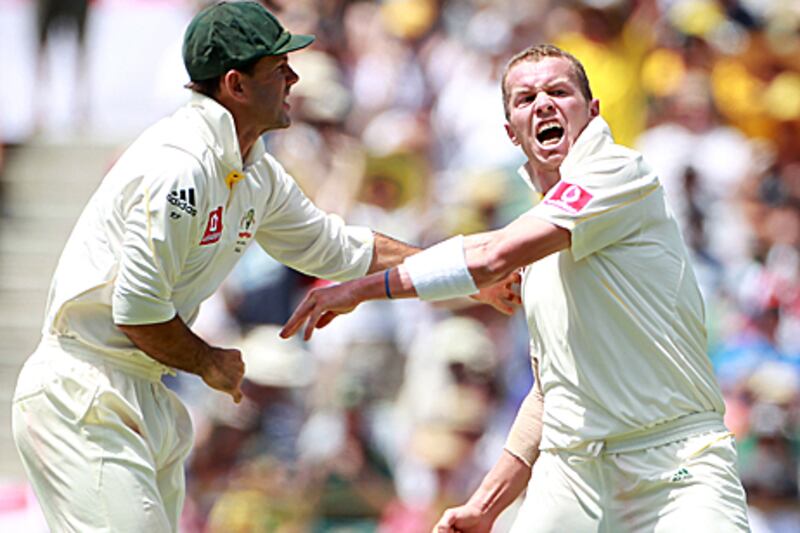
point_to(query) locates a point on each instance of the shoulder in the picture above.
(167, 153)
(271, 174)
(269, 165)
(614, 165)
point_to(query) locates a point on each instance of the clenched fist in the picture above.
(224, 370)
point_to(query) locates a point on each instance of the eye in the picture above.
(557, 92)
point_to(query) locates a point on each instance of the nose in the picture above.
(543, 105)
(292, 77)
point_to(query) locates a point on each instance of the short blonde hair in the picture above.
(537, 53)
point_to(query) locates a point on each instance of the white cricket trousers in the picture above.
(686, 486)
(103, 444)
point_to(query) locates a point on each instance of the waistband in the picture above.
(135, 363)
(663, 433)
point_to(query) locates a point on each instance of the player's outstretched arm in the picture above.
(321, 306)
(174, 344)
(493, 255)
(501, 486)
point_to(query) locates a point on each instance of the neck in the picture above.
(247, 138)
(543, 179)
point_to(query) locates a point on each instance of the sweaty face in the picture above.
(268, 87)
(546, 110)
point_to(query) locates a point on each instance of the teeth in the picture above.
(547, 126)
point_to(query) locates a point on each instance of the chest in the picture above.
(226, 228)
(543, 289)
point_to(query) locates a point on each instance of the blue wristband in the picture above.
(386, 283)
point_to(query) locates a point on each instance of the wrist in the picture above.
(441, 272)
(367, 288)
(485, 506)
(202, 361)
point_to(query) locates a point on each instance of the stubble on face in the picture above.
(546, 111)
(271, 83)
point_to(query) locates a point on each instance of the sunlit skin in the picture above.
(543, 92)
(258, 100)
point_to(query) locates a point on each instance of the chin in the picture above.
(550, 161)
(283, 123)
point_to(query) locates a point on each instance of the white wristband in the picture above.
(440, 272)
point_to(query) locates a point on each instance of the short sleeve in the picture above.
(600, 202)
(160, 227)
(298, 234)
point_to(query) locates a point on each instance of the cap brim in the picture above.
(295, 42)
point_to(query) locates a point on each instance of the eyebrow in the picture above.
(548, 85)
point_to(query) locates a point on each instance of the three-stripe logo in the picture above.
(183, 199)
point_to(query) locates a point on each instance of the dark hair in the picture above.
(537, 53)
(210, 87)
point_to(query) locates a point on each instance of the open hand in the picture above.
(503, 295)
(320, 307)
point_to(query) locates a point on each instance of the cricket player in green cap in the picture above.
(103, 441)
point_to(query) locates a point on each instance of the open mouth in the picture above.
(549, 134)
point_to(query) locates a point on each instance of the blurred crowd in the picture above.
(395, 412)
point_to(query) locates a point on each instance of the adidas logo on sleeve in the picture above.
(183, 199)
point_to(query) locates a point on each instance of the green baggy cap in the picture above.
(230, 34)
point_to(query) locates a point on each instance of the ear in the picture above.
(594, 108)
(511, 135)
(231, 84)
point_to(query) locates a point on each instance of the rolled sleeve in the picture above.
(157, 238)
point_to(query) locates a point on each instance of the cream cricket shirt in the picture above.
(617, 320)
(171, 219)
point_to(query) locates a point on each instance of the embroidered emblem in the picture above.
(568, 197)
(213, 228)
(246, 225)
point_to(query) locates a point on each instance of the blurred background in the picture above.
(396, 411)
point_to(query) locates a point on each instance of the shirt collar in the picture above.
(595, 135)
(219, 132)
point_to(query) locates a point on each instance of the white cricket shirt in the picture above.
(617, 320)
(170, 220)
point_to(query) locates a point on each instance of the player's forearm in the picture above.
(171, 343)
(493, 255)
(388, 252)
(501, 486)
(526, 433)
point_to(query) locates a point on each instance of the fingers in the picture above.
(312, 323)
(300, 314)
(326, 318)
(238, 375)
(446, 523)
(504, 309)
(237, 394)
